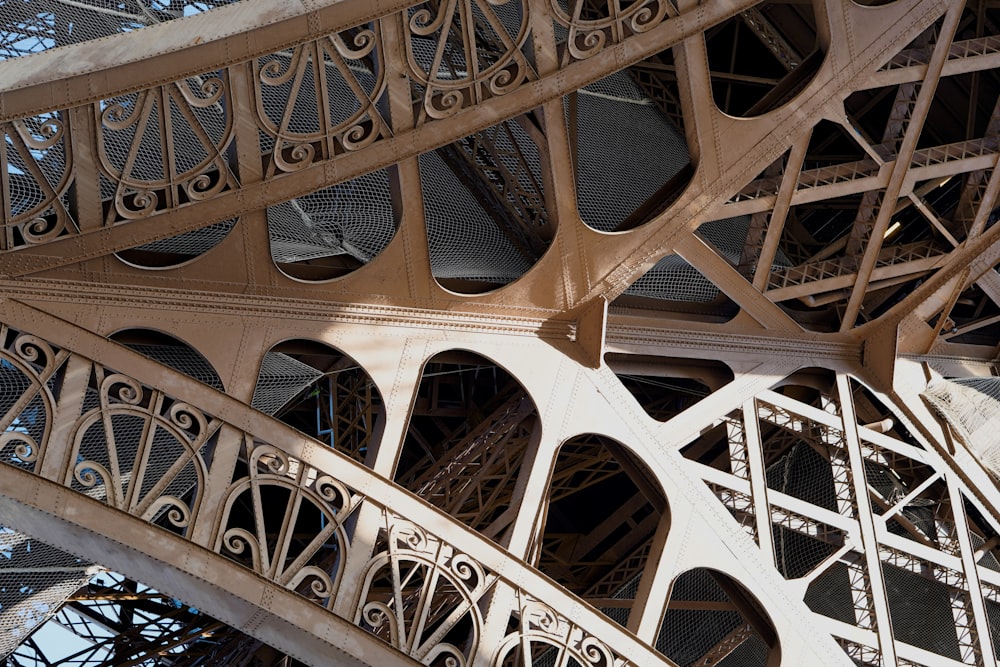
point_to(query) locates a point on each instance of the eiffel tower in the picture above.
(526, 333)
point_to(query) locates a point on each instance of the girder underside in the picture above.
(529, 409)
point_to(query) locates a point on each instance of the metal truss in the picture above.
(506, 332)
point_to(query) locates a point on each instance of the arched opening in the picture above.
(470, 429)
(177, 250)
(762, 57)
(169, 351)
(323, 393)
(713, 620)
(664, 386)
(603, 514)
(485, 207)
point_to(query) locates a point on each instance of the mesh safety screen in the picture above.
(971, 406)
(280, 380)
(354, 218)
(464, 241)
(35, 579)
(32, 26)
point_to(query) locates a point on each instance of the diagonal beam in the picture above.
(906, 149)
(406, 142)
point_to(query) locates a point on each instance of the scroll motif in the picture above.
(285, 520)
(420, 594)
(461, 52)
(36, 169)
(141, 451)
(27, 364)
(166, 146)
(590, 27)
(547, 638)
(318, 99)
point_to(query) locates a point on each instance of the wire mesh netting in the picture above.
(971, 406)
(281, 379)
(803, 473)
(830, 594)
(49, 156)
(27, 428)
(921, 611)
(354, 218)
(626, 150)
(702, 624)
(35, 579)
(464, 241)
(33, 26)
(182, 359)
(192, 243)
(673, 279)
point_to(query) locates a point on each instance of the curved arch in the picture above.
(485, 207)
(268, 611)
(470, 427)
(779, 67)
(605, 515)
(324, 393)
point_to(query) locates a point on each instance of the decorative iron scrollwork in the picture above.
(589, 29)
(301, 543)
(547, 638)
(461, 52)
(319, 99)
(36, 167)
(140, 451)
(420, 594)
(166, 146)
(27, 366)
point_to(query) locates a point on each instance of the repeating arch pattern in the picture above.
(846, 222)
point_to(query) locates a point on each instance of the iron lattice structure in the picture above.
(500, 332)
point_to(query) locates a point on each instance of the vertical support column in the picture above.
(253, 225)
(758, 479)
(669, 543)
(86, 182)
(67, 412)
(404, 178)
(220, 475)
(973, 583)
(866, 519)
